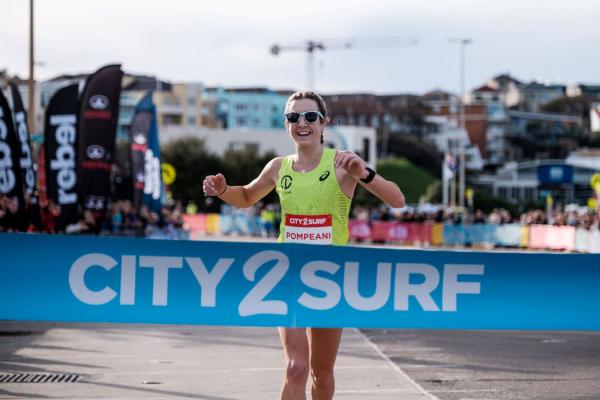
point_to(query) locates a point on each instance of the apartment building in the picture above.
(251, 108)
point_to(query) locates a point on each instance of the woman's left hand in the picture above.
(350, 162)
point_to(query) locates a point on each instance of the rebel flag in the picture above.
(11, 182)
(140, 129)
(60, 153)
(26, 161)
(97, 127)
(145, 156)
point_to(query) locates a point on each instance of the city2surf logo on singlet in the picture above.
(309, 229)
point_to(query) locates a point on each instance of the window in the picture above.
(192, 120)
(362, 120)
(366, 149)
(169, 119)
(514, 193)
(239, 146)
(375, 121)
(502, 193)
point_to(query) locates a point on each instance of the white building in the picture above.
(360, 140)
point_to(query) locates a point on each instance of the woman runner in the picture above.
(315, 187)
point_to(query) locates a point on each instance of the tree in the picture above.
(243, 165)
(192, 162)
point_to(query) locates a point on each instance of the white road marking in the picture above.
(396, 368)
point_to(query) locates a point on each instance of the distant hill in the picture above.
(413, 180)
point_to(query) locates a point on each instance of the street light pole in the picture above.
(463, 42)
(31, 82)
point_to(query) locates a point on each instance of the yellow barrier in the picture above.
(437, 235)
(524, 236)
(213, 223)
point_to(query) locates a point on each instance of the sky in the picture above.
(227, 42)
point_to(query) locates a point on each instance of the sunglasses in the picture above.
(309, 116)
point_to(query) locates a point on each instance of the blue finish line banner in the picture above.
(90, 279)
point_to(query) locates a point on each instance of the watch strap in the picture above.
(369, 177)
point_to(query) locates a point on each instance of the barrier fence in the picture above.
(537, 237)
(129, 280)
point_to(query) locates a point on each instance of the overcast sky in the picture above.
(226, 42)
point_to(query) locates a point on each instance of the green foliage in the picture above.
(242, 166)
(413, 181)
(484, 201)
(192, 162)
(420, 153)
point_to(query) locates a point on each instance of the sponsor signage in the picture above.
(555, 174)
(96, 129)
(60, 144)
(91, 279)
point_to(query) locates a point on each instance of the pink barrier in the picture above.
(195, 224)
(422, 232)
(359, 230)
(389, 231)
(552, 237)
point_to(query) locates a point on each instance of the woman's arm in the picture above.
(355, 170)
(247, 195)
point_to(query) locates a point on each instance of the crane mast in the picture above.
(310, 46)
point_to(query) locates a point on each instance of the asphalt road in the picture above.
(501, 365)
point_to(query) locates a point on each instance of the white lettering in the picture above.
(77, 278)
(161, 266)
(152, 175)
(308, 276)
(422, 291)
(382, 287)
(127, 280)
(25, 162)
(64, 160)
(324, 292)
(452, 286)
(209, 280)
(7, 176)
(254, 302)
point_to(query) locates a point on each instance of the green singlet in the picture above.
(313, 207)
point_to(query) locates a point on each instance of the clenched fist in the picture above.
(352, 163)
(214, 185)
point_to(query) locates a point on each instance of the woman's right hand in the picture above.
(214, 185)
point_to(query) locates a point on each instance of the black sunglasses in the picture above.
(309, 116)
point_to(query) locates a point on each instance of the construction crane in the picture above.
(310, 46)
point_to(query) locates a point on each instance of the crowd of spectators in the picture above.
(120, 219)
(579, 217)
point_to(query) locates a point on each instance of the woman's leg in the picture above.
(295, 348)
(324, 344)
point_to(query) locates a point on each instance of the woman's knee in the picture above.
(323, 378)
(297, 370)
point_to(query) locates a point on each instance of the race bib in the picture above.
(311, 229)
